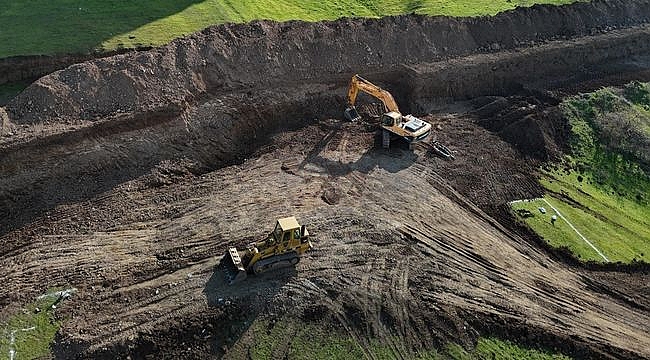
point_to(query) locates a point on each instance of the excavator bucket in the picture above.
(351, 114)
(235, 271)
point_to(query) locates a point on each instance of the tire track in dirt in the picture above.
(381, 268)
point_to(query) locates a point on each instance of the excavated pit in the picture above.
(211, 129)
(152, 148)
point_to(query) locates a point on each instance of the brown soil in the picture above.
(128, 177)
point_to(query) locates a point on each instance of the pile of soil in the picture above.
(535, 127)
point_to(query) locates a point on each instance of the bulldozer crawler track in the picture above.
(275, 262)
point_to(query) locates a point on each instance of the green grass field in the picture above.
(492, 348)
(67, 26)
(615, 241)
(603, 187)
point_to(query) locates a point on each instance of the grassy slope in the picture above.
(312, 341)
(601, 188)
(69, 26)
(616, 243)
(491, 348)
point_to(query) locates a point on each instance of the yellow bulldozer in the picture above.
(282, 247)
(408, 127)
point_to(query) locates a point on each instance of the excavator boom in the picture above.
(358, 83)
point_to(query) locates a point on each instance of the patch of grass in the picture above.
(616, 242)
(638, 93)
(560, 234)
(29, 334)
(619, 224)
(299, 340)
(432, 354)
(611, 135)
(73, 26)
(457, 352)
(492, 348)
(603, 186)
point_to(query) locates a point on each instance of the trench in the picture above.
(218, 130)
(78, 165)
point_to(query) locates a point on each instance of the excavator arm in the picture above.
(358, 83)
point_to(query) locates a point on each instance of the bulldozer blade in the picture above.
(351, 114)
(235, 271)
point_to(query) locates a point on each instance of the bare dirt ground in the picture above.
(393, 241)
(131, 192)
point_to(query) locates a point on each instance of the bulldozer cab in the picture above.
(288, 232)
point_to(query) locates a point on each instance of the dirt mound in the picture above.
(227, 57)
(536, 128)
(486, 169)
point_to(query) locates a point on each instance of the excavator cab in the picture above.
(391, 118)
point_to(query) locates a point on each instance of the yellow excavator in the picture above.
(282, 247)
(408, 127)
